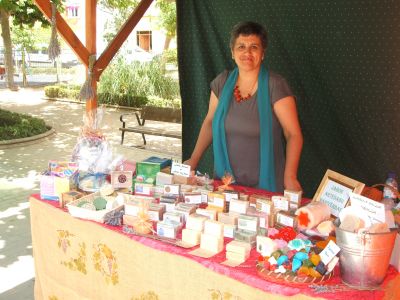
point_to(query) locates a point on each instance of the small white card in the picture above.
(180, 169)
(329, 252)
(373, 209)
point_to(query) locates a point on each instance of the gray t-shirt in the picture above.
(242, 127)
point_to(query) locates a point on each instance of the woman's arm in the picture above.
(286, 111)
(205, 136)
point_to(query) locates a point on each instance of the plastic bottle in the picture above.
(389, 196)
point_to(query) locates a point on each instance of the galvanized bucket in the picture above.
(364, 257)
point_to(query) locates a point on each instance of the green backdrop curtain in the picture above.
(340, 57)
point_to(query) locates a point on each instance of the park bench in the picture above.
(151, 113)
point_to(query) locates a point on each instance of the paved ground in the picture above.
(20, 167)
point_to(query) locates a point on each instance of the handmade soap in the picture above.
(249, 223)
(208, 212)
(211, 243)
(238, 206)
(163, 178)
(238, 257)
(228, 218)
(191, 237)
(214, 228)
(293, 196)
(229, 230)
(352, 223)
(312, 214)
(196, 222)
(266, 246)
(238, 247)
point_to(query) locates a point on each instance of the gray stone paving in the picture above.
(21, 166)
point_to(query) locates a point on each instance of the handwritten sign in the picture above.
(180, 169)
(374, 210)
(335, 196)
(329, 252)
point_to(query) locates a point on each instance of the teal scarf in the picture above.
(221, 159)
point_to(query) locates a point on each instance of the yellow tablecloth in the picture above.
(78, 259)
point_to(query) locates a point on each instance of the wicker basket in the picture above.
(83, 213)
(281, 278)
(374, 192)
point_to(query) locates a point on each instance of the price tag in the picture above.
(329, 252)
(180, 169)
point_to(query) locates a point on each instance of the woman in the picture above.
(250, 111)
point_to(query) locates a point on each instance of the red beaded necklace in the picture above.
(238, 96)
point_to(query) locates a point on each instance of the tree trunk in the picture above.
(23, 68)
(168, 39)
(8, 60)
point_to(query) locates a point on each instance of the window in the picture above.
(144, 40)
(72, 11)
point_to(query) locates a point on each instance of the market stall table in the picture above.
(80, 259)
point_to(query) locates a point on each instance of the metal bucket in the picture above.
(364, 257)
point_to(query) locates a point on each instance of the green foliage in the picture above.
(14, 125)
(62, 91)
(167, 16)
(128, 81)
(170, 56)
(160, 102)
(24, 12)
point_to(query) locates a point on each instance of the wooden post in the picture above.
(90, 35)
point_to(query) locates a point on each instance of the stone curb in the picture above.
(26, 141)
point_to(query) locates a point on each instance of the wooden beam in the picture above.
(120, 38)
(90, 34)
(66, 32)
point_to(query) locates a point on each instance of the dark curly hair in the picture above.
(248, 28)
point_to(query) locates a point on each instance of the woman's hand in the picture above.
(192, 163)
(292, 184)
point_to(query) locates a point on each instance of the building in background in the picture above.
(147, 34)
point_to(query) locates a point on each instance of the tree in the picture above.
(23, 38)
(22, 12)
(120, 10)
(168, 19)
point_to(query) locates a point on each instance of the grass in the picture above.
(16, 126)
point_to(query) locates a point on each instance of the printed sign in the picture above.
(329, 252)
(335, 196)
(180, 169)
(373, 209)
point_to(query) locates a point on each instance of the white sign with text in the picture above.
(329, 252)
(180, 169)
(373, 209)
(335, 196)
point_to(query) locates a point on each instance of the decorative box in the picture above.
(76, 210)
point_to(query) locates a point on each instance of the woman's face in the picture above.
(248, 52)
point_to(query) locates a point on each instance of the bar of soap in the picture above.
(239, 247)
(312, 214)
(208, 212)
(191, 237)
(266, 246)
(214, 228)
(326, 227)
(352, 223)
(378, 228)
(238, 257)
(211, 243)
(196, 222)
(228, 218)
